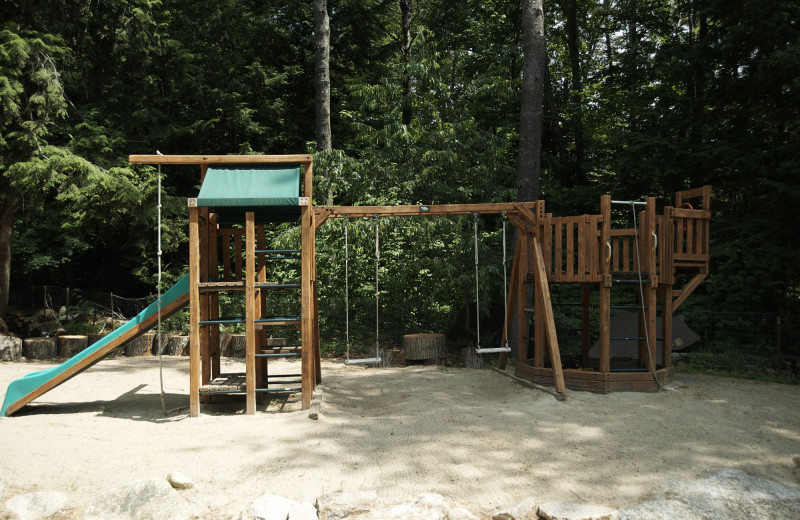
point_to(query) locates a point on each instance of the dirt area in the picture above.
(474, 436)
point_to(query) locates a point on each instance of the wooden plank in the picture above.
(522, 297)
(691, 213)
(626, 254)
(690, 257)
(225, 238)
(558, 253)
(581, 249)
(687, 290)
(615, 255)
(586, 344)
(593, 270)
(250, 311)
(237, 285)
(430, 210)
(220, 159)
(237, 256)
(666, 325)
(570, 225)
(306, 297)
(543, 288)
(604, 318)
(194, 312)
(205, 302)
(547, 245)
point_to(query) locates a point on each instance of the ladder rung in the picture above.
(634, 338)
(629, 280)
(631, 306)
(289, 389)
(495, 350)
(286, 354)
(277, 286)
(274, 319)
(363, 361)
(222, 321)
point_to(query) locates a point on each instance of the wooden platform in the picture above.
(596, 382)
(237, 384)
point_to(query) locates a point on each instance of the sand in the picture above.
(474, 436)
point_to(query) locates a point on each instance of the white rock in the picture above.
(527, 509)
(178, 480)
(10, 348)
(303, 511)
(37, 505)
(571, 511)
(336, 506)
(140, 500)
(459, 513)
(428, 506)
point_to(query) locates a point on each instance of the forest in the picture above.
(640, 98)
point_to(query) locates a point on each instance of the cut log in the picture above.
(68, 346)
(471, 358)
(139, 346)
(424, 346)
(237, 346)
(94, 338)
(176, 345)
(40, 348)
(277, 342)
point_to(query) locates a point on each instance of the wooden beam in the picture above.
(687, 289)
(605, 287)
(220, 159)
(542, 287)
(306, 305)
(194, 312)
(250, 311)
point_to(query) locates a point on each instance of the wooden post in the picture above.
(522, 299)
(605, 287)
(250, 312)
(205, 298)
(548, 322)
(213, 298)
(666, 325)
(586, 329)
(307, 307)
(194, 312)
(651, 289)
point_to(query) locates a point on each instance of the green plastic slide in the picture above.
(26, 389)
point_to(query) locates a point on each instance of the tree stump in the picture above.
(176, 345)
(139, 346)
(40, 348)
(68, 346)
(471, 358)
(94, 338)
(237, 347)
(424, 346)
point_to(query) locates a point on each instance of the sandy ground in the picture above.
(474, 436)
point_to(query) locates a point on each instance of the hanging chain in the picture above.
(158, 330)
(347, 287)
(477, 290)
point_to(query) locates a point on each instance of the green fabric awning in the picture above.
(271, 192)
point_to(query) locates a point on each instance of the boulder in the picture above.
(527, 509)
(10, 348)
(428, 506)
(178, 480)
(37, 505)
(140, 500)
(572, 511)
(336, 506)
(48, 329)
(274, 507)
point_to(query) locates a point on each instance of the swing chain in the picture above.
(505, 283)
(347, 287)
(477, 283)
(377, 291)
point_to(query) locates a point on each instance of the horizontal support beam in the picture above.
(220, 159)
(419, 210)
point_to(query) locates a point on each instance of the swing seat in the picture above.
(363, 361)
(495, 350)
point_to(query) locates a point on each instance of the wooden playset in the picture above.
(664, 256)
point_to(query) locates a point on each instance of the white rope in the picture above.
(505, 284)
(477, 283)
(641, 296)
(347, 287)
(158, 331)
(377, 292)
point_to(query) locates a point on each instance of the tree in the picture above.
(322, 80)
(531, 104)
(31, 99)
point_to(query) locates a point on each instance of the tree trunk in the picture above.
(7, 210)
(424, 346)
(322, 82)
(139, 346)
(578, 176)
(531, 109)
(405, 39)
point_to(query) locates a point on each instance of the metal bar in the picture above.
(635, 338)
(277, 286)
(494, 350)
(284, 375)
(222, 321)
(629, 202)
(270, 319)
(287, 354)
(631, 306)
(363, 361)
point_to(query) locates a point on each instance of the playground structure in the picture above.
(665, 256)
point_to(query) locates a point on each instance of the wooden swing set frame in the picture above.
(578, 249)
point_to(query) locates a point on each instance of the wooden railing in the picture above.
(571, 248)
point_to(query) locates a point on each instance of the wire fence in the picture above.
(42, 297)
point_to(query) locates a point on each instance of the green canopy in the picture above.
(271, 192)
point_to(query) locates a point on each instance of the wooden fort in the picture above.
(665, 257)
